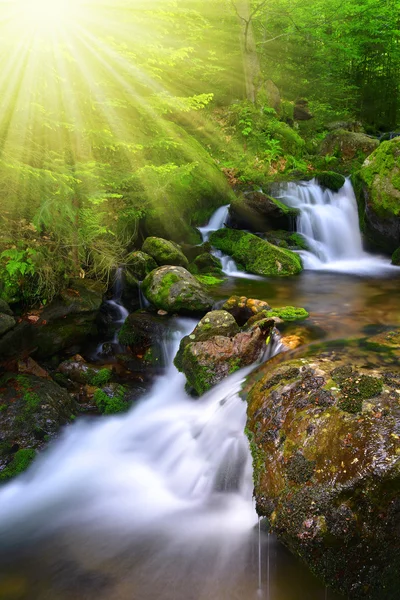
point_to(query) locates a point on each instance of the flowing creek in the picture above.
(157, 503)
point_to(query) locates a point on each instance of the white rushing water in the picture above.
(329, 222)
(229, 267)
(174, 465)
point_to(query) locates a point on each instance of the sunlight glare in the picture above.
(46, 16)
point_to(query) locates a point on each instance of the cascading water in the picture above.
(218, 221)
(117, 311)
(329, 223)
(172, 469)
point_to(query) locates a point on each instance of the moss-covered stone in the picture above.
(111, 400)
(329, 179)
(175, 290)
(20, 462)
(396, 257)
(164, 252)
(289, 313)
(207, 263)
(33, 410)
(140, 264)
(287, 239)
(348, 145)
(243, 308)
(5, 309)
(142, 330)
(325, 438)
(377, 186)
(256, 255)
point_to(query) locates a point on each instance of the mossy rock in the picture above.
(289, 313)
(243, 308)
(216, 322)
(140, 264)
(142, 329)
(32, 411)
(164, 252)
(207, 263)
(174, 289)
(330, 180)
(287, 239)
(324, 431)
(256, 255)
(348, 145)
(79, 371)
(377, 187)
(396, 257)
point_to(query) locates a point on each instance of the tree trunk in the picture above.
(251, 64)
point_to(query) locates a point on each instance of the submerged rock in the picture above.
(174, 289)
(377, 187)
(164, 252)
(256, 255)
(324, 431)
(32, 410)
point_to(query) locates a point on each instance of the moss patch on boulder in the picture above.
(164, 252)
(176, 290)
(140, 264)
(329, 179)
(256, 255)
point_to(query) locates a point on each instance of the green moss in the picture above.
(32, 400)
(21, 461)
(101, 378)
(287, 210)
(164, 252)
(209, 279)
(355, 389)
(381, 174)
(111, 404)
(289, 313)
(256, 255)
(299, 469)
(396, 257)
(258, 456)
(329, 179)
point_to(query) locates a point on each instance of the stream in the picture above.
(157, 503)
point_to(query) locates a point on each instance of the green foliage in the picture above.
(101, 377)
(16, 268)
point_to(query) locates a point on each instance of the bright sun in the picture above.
(47, 16)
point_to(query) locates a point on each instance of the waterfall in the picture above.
(172, 465)
(229, 267)
(330, 225)
(117, 311)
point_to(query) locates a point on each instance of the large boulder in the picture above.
(348, 145)
(140, 264)
(64, 324)
(258, 212)
(164, 252)
(377, 186)
(32, 410)
(324, 431)
(206, 263)
(256, 255)
(216, 348)
(174, 289)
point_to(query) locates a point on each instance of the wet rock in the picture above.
(207, 263)
(258, 212)
(216, 348)
(79, 371)
(141, 264)
(325, 436)
(32, 411)
(256, 255)
(66, 323)
(243, 308)
(330, 180)
(143, 331)
(28, 366)
(175, 290)
(165, 252)
(5, 309)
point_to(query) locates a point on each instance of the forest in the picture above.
(199, 299)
